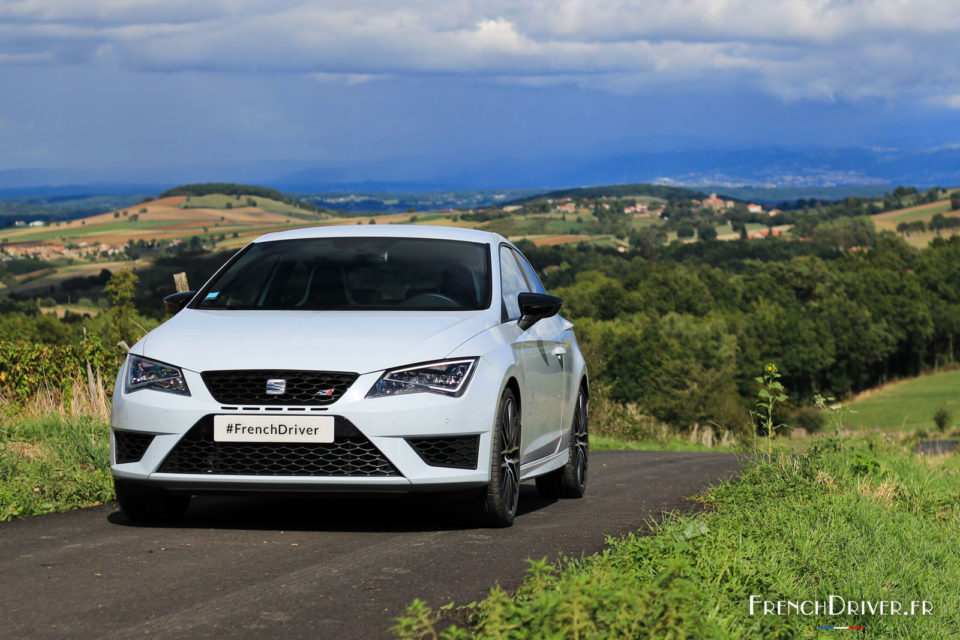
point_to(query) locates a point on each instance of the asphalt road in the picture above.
(304, 567)
(935, 447)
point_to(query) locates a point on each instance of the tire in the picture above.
(148, 505)
(500, 499)
(570, 480)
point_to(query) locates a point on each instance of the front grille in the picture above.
(350, 455)
(457, 452)
(302, 387)
(131, 445)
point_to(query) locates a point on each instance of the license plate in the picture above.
(239, 428)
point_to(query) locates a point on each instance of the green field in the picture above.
(67, 233)
(908, 405)
(922, 214)
(219, 201)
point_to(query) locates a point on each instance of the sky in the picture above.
(353, 86)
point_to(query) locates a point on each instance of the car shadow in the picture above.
(335, 512)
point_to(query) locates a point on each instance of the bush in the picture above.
(942, 418)
(809, 418)
(27, 369)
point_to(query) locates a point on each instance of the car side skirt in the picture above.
(541, 466)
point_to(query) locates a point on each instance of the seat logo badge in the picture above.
(276, 387)
(325, 393)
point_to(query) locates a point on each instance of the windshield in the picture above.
(354, 273)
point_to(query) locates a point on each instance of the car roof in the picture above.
(386, 231)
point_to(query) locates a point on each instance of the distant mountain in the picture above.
(768, 167)
(617, 191)
(777, 167)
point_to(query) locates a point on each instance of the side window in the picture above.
(512, 282)
(528, 271)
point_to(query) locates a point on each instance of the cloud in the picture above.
(350, 79)
(821, 50)
(951, 101)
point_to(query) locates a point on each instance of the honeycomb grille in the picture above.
(131, 445)
(457, 452)
(239, 387)
(350, 455)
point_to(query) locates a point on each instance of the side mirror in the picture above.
(536, 307)
(177, 301)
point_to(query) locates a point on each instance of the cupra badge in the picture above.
(276, 387)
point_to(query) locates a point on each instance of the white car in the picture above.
(367, 359)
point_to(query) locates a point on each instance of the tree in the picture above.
(902, 192)
(938, 222)
(685, 231)
(844, 233)
(706, 232)
(120, 291)
(955, 200)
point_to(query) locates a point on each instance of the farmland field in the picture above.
(155, 228)
(83, 247)
(889, 220)
(50, 277)
(907, 405)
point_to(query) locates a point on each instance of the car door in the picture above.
(558, 331)
(537, 351)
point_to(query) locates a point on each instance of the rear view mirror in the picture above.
(177, 301)
(535, 307)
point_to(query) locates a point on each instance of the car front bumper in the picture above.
(387, 423)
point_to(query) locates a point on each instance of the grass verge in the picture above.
(862, 521)
(53, 463)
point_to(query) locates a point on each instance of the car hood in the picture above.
(358, 341)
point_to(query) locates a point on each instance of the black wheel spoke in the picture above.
(509, 455)
(581, 439)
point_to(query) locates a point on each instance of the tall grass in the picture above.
(625, 426)
(82, 399)
(53, 463)
(54, 451)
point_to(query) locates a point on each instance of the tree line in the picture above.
(682, 335)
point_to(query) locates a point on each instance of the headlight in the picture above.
(143, 373)
(448, 377)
